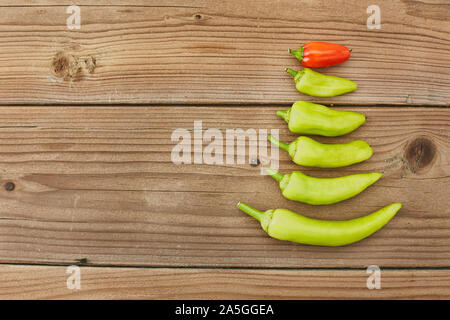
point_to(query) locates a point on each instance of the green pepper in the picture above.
(298, 186)
(310, 153)
(310, 118)
(320, 85)
(286, 225)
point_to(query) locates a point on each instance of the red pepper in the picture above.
(317, 54)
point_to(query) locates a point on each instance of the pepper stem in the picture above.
(291, 72)
(274, 174)
(278, 143)
(258, 215)
(282, 113)
(297, 53)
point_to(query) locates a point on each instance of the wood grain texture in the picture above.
(219, 52)
(45, 282)
(97, 183)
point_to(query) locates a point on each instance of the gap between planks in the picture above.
(218, 105)
(199, 267)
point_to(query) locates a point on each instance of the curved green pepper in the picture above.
(298, 186)
(310, 118)
(307, 152)
(320, 85)
(286, 225)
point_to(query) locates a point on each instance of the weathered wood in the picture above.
(218, 51)
(98, 183)
(45, 282)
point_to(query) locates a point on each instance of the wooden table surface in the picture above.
(86, 120)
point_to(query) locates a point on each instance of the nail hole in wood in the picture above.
(9, 186)
(254, 162)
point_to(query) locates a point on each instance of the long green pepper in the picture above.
(319, 85)
(286, 225)
(310, 118)
(308, 152)
(298, 186)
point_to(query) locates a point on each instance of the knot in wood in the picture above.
(420, 153)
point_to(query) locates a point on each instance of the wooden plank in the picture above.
(98, 183)
(219, 52)
(49, 282)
